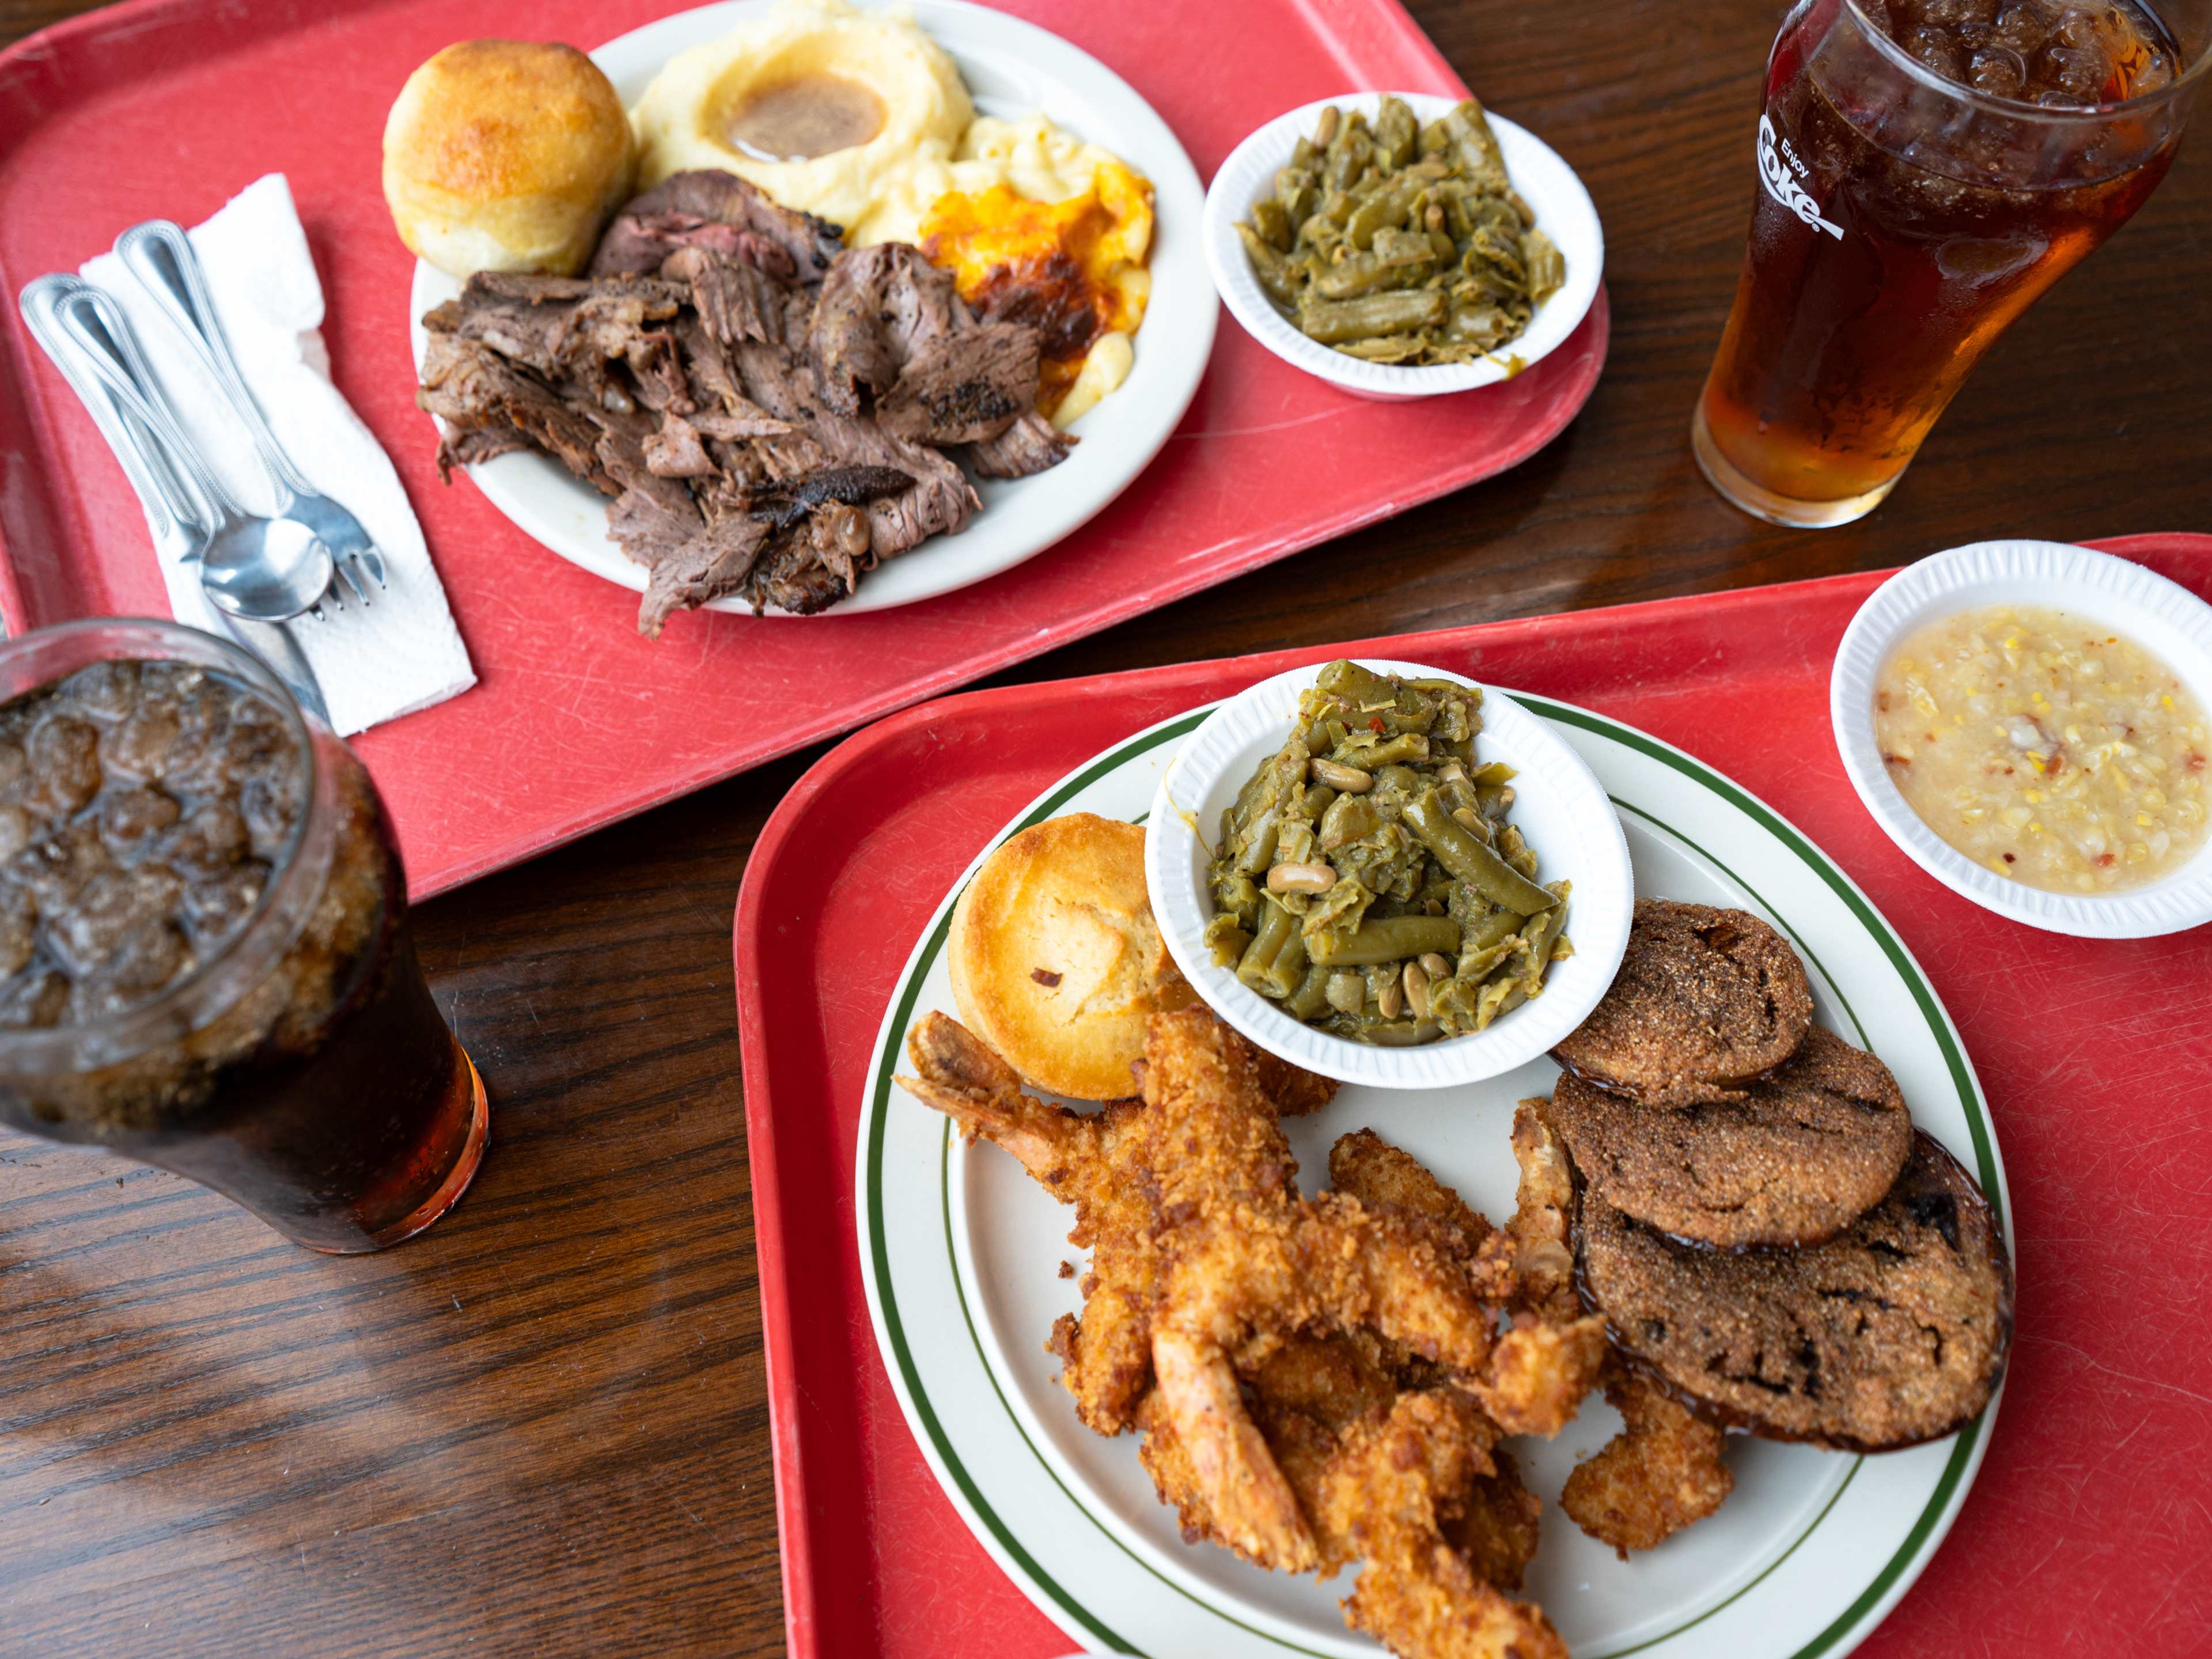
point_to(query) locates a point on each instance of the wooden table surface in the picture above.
(542, 1428)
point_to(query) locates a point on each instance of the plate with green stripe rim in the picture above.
(963, 1258)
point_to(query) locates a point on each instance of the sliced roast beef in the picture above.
(1031, 444)
(965, 387)
(467, 448)
(718, 211)
(651, 524)
(735, 300)
(791, 498)
(763, 432)
(715, 561)
(877, 306)
(560, 327)
(471, 387)
(713, 377)
(796, 575)
(620, 450)
(745, 420)
(940, 504)
(676, 452)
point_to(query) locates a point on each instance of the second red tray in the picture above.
(167, 107)
(2086, 1531)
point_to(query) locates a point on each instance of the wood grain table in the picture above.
(542, 1429)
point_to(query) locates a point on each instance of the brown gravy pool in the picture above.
(798, 119)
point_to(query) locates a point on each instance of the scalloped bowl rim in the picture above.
(2160, 616)
(1582, 842)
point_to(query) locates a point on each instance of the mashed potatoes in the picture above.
(863, 119)
(890, 89)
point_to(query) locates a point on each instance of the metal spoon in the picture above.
(170, 510)
(160, 255)
(267, 570)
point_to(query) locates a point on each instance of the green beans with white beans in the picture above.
(1367, 880)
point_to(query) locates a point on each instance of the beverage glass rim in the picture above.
(2020, 108)
(213, 986)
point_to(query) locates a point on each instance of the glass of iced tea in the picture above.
(1927, 169)
(204, 958)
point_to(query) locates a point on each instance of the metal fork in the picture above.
(173, 511)
(160, 255)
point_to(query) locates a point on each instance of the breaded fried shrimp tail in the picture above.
(1253, 1509)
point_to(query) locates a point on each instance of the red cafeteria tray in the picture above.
(167, 107)
(2086, 1531)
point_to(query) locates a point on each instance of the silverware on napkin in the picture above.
(160, 255)
(82, 330)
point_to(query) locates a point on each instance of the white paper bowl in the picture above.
(1563, 212)
(1558, 804)
(2166, 620)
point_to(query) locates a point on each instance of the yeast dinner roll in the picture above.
(507, 156)
(1056, 961)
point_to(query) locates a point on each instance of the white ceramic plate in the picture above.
(2168, 620)
(1558, 804)
(960, 1252)
(1564, 213)
(1011, 67)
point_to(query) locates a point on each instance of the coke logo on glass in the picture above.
(1774, 175)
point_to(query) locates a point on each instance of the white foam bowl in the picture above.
(1558, 804)
(1563, 211)
(2164, 618)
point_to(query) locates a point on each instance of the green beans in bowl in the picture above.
(1402, 244)
(1369, 879)
(1373, 870)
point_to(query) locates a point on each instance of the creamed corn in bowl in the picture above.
(2047, 747)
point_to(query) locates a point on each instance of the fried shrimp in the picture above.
(1099, 1162)
(1091, 1160)
(1539, 1369)
(1543, 1216)
(1496, 1531)
(1373, 1172)
(1319, 1380)
(1389, 1498)
(1245, 1257)
(1660, 1473)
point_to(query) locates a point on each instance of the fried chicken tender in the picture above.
(1660, 1473)
(1394, 1488)
(1373, 1172)
(1497, 1530)
(1541, 1369)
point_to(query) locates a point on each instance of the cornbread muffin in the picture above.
(1705, 1001)
(1894, 1332)
(1056, 961)
(1799, 1156)
(505, 155)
